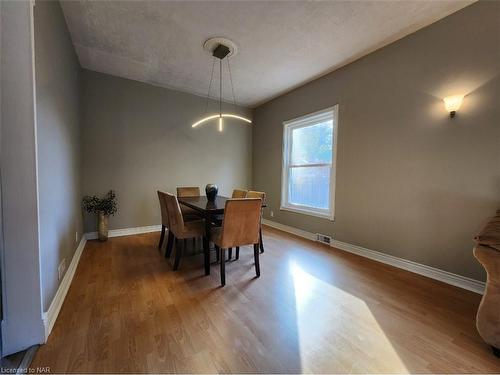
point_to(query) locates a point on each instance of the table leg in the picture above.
(261, 244)
(206, 244)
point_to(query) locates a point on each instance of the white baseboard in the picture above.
(421, 269)
(289, 229)
(50, 316)
(126, 231)
(28, 356)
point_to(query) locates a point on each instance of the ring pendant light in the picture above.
(220, 51)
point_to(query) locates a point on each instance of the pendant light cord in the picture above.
(220, 84)
(231, 80)
(220, 88)
(210, 85)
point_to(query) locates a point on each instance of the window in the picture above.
(309, 151)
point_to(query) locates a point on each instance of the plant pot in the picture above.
(102, 226)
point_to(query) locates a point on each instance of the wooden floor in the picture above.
(314, 309)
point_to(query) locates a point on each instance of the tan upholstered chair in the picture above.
(179, 228)
(251, 194)
(240, 227)
(239, 193)
(188, 191)
(162, 197)
(257, 194)
(184, 192)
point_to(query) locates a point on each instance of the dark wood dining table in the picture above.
(209, 210)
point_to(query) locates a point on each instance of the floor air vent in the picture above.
(323, 238)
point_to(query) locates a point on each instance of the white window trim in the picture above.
(298, 123)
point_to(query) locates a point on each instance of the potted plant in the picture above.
(103, 207)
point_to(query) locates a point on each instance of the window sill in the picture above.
(303, 211)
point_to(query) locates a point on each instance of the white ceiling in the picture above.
(282, 44)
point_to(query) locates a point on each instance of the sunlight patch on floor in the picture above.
(358, 344)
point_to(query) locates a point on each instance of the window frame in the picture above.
(297, 123)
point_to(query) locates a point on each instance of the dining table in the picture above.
(211, 211)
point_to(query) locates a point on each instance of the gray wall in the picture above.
(138, 139)
(411, 182)
(59, 138)
(22, 324)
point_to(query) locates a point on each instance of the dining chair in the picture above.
(262, 196)
(239, 193)
(181, 229)
(248, 194)
(240, 227)
(162, 197)
(186, 192)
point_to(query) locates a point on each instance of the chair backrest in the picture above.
(241, 222)
(188, 191)
(257, 194)
(176, 222)
(162, 197)
(239, 193)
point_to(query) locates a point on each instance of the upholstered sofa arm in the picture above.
(487, 252)
(488, 315)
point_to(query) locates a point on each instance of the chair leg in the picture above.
(170, 244)
(178, 254)
(222, 267)
(230, 253)
(496, 351)
(162, 236)
(206, 254)
(217, 253)
(261, 244)
(256, 258)
(237, 252)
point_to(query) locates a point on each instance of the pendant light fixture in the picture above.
(221, 49)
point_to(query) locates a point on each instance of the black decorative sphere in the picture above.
(211, 190)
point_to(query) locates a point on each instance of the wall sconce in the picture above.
(453, 103)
